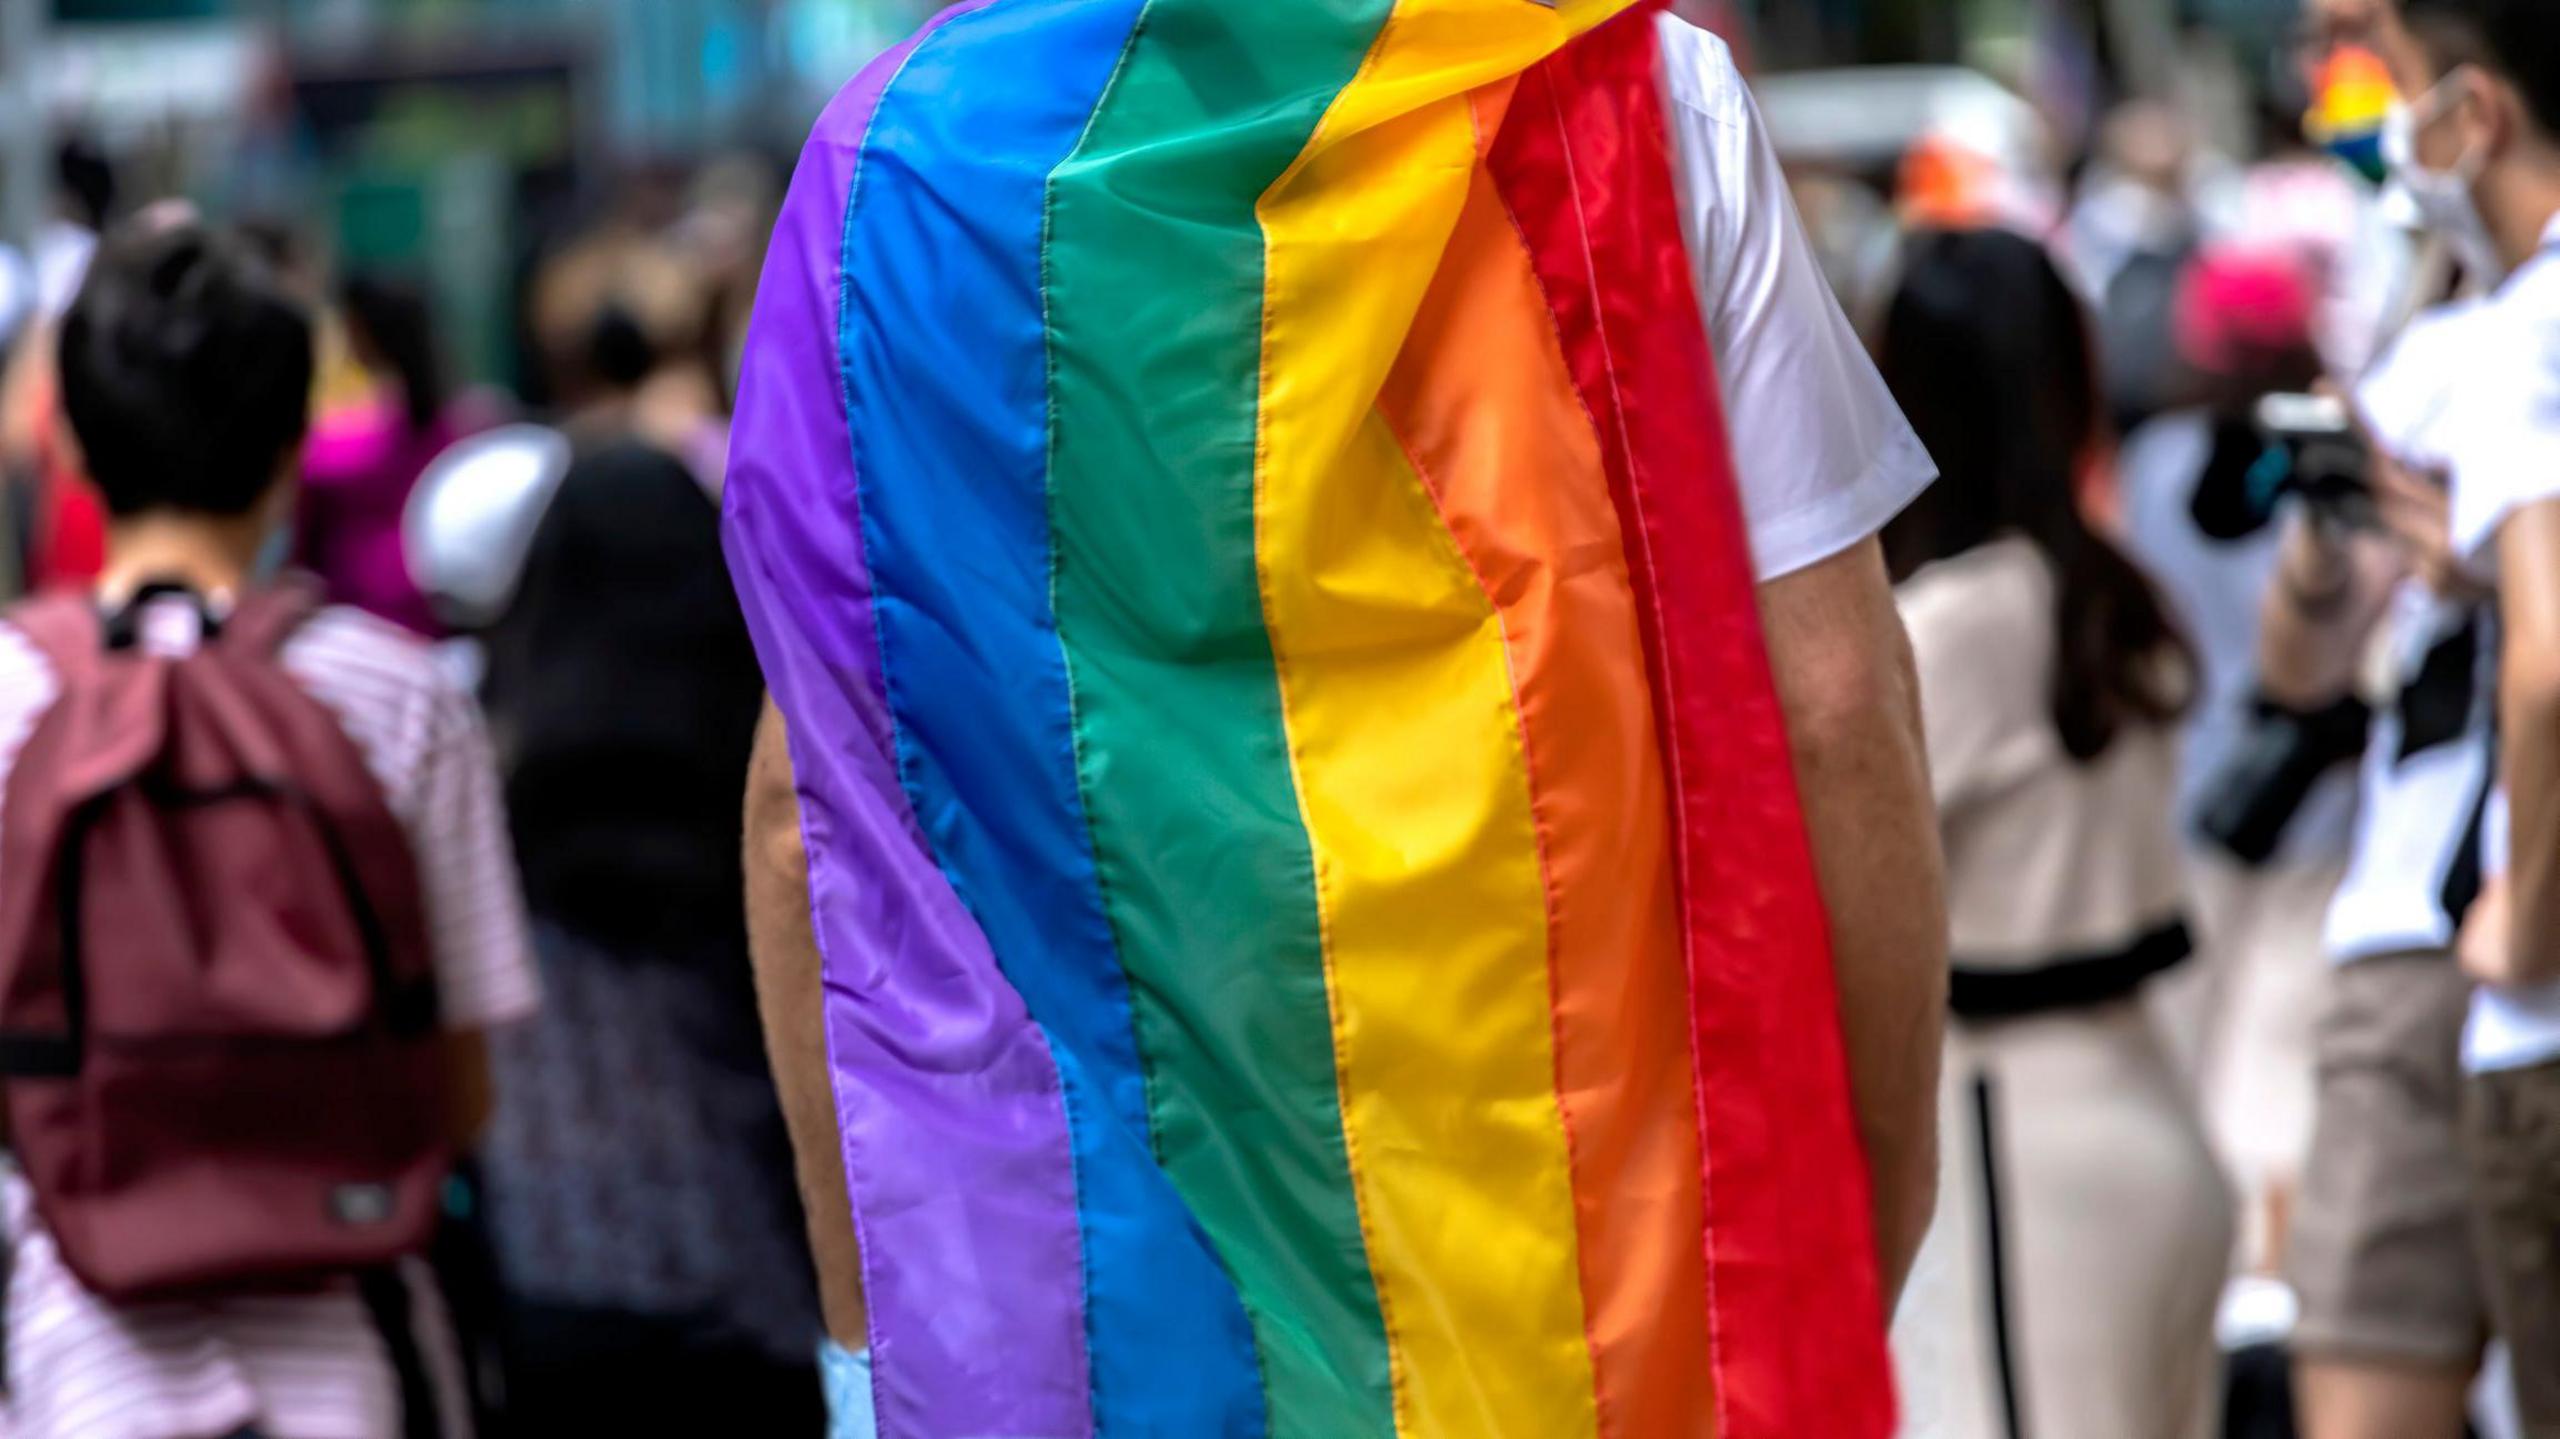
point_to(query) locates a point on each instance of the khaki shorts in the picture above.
(2381, 1251)
(2514, 1140)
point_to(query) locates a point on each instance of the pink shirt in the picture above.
(357, 471)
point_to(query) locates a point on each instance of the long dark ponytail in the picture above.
(1989, 353)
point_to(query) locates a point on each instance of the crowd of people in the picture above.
(2235, 612)
(211, 410)
(2235, 690)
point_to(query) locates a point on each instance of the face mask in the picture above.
(2443, 197)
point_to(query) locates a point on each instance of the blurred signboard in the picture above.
(77, 10)
(120, 77)
(418, 103)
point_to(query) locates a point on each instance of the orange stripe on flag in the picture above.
(1485, 408)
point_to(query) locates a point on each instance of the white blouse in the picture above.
(2047, 858)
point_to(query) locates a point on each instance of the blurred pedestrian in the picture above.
(2379, 1249)
(2084, 1223)
(2196, 519)
(55, 518)
(2130, 235)
(638, 1174)
(186, 372)
(2321, 205)
(2384, 1255)
(622, 320)
(2479, 149)
(365, 457)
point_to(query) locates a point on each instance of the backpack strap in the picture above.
(390, 1300)
(65, 629)
(266, 618)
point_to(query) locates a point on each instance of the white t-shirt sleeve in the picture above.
(2505, 456)
(2405, 391)
(1822, 452)
(476, 924)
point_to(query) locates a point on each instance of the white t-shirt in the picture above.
(2426, 769)
(2505, 457)
(1823, 453)
(2508, 413)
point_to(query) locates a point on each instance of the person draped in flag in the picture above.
(1343, 847)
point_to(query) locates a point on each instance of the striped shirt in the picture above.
(301, 1366)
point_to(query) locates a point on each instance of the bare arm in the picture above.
(1852, 700)
(2328, 595)
(788, 994)
(2529, 736)
(2333, 587)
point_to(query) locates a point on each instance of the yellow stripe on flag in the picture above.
(1405, 739)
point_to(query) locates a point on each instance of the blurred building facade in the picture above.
(441, 136)
(445, 135)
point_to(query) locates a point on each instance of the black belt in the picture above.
(2074, 981)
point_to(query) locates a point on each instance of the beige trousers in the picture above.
(2084, 1231)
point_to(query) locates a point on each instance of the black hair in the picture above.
(87, 180)
(620, 355)
(276, 244)
(1989, 353)
(186, 370)
(394, 326)
(2519, 39)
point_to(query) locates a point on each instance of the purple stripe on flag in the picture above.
(955, 1129)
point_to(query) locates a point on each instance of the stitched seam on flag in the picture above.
(1541, 834)
(1147, 1076)
(1672, 751)
(1582, 402)
(849, 1147)
(882, 1356)
(1399, 1397)
(1604, 1421)
(1516, 733)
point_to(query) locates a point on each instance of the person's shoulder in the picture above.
(363, 657)
(2533, 346)
(1698, 70)
(2430, 358)
(2532, 295)
(27, 690)
(26, 677)
(346, 628)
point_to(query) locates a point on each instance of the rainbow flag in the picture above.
(2350, 98)
(1319, 936)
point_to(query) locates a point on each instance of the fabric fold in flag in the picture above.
(1319, 939)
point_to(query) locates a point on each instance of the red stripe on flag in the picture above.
(1584, 166)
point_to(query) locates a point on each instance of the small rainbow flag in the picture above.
(2352, 96)
(1319, 935)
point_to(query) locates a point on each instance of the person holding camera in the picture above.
(2265, 797)
(2379, 1250)
(2479, 151)
(2393, 1281)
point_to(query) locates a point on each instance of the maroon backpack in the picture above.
(218, 1039)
